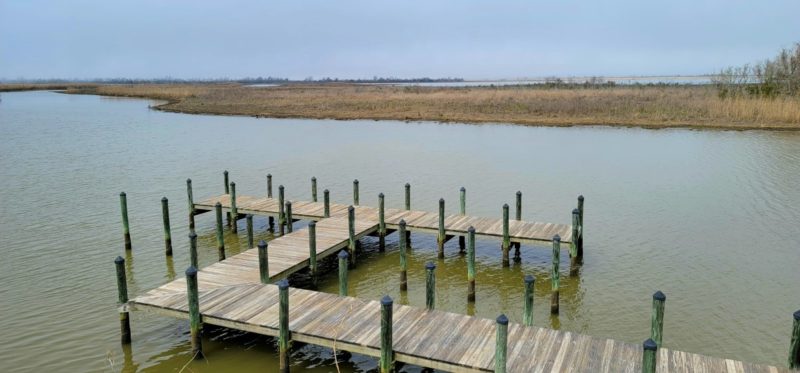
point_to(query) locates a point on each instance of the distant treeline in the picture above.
(248, 80)
(779, 76)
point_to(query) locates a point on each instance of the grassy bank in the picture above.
(643, 106)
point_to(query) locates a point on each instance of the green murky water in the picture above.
(710, 218)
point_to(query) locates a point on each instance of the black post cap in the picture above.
(191, 271)
(325, 191)
(262, 243)
(650, 345)
(283, 284)
(529, 279)
(502, 319)
(557, 238)
(280, 187)
(441, 201)
(659, 296)
(312, 224)
(313, 178)
(797, 315)
(580, 197)
(269, 175)
(218, 204)
(471, 229)
(519, 193)
(343, 254)
(120, 260)
(430, 266)
(575, 211)
(189, 181)
(355, 181)
(164, 199)
(408, 185)
(192, 235)
(463, 189)
(402, 221)
(505, 206)
(386, 300)
(380, 195)
(122, 194)
(225, 172)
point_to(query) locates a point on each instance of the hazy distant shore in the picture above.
(658, 106)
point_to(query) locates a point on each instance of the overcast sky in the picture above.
(355, 39)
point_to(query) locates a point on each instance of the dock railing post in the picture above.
(471, 264)
(649, 348)
(195, 320)
(657, 320)
(574, 260)
(343, 264)
(220, 237)
(284, 336)
(326, 198)
(263, 262)
(351, 230)
(355, 192)
(167, 230)
(381, 223)
(312, 251)
(227, 192)
(269, 185)
(506, 239)
(408, 196)
(527, 313)
(430, 286)
(126, 232)
(313, 189)
(234, 211)
(501, 344)
(193, 248)
(580, 228)
(462, 245)
(441, 236)
(289, 218)
(122, 292)
(554, 275)
(249, 219)
(387, 354)
(281, 211)
(794, 346)
(518, 217)
(190, 199)
(403, 263)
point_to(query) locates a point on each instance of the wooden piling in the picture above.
(122, 293)
(193, 248)
(195, 320)
(527, 313)
(355, 192)
(283, 326)
(440, 239)
(326, 198)
(506, 245)
(430, 286)
(794, 346)
(249, 219)
(269, 185)
(312, 251)
(234, 214)
(167, 231)
(190, 198)
(403, 263)
(351, 229)
(281, 211)
(518, 217)
(289, 218)
(580, 229)
(501, 344)
(574, 259)
(126, 232)
(314, 189)
(657, 320)
(263, 262)
(343, 264)
(649, 356)
(381, 223)
(471, 264)
(220, 237)
(227, 191)
(463, 202)
(387, 354)
(408, 196)
(554, 275)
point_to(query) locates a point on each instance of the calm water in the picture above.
(710, 218)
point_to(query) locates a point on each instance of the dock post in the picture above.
(343, 263)
(351, 229)
(193, 248)
(462, 239)
(387, 354)
(234, 214)
(506, 238)
(227, 191)
(580, 229)
(126, 232)
(122, 292)
(471, 264)
(281, 211)
(326, 198)
(313, 189)
(527, 314)
(441, 237)
(649, 356)
(249, 219)
(283, 326)
(195, 320)
(355, 192)
(269, 185)
(263, 262)
(430, 286)
(312, 251)
(794, 347)
(408, 196)
(657, 321)
(220, 238)
(574, 259)
(190, 199)
(501, 344)
(289, 218)
(554, 274)
(381, 223)
(403, 263)
(167, 230)
(518, 216)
